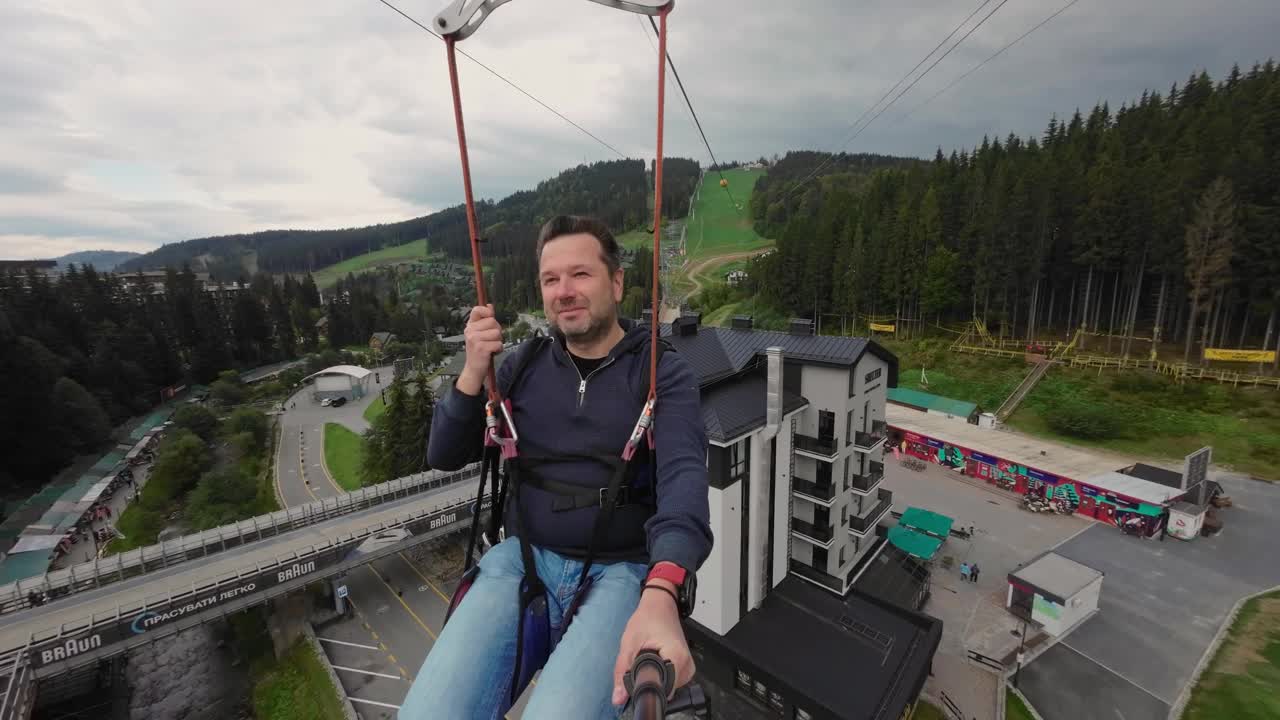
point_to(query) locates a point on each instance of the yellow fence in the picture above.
(1178, 371)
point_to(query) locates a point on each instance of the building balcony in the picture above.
(822, 536)
(817, 577)
(821, 448)
(813, 492)
(860, 526)
(864, 484)
(867, 442)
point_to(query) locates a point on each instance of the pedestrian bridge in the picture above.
(109, 607)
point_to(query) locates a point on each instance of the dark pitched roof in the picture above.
(733, 408)
(855, 657)
(1154, 474)
(716, 352)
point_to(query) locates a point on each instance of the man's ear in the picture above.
(617, 285)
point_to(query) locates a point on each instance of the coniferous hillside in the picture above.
(796, 181)
(616, 191)
(1164, 213)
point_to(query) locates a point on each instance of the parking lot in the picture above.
(973, 615)
(1162, 603)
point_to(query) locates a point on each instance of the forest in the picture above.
(1160, 216)
(616, 191)
(84, 351)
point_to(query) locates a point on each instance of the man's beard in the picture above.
(597, 327)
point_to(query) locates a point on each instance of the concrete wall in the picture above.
(719, 577)
(1084, 604)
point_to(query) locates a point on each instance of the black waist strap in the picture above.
(576, 497)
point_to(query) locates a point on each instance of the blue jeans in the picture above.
(468, 671)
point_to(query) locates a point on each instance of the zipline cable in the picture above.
(498, 75)
(795, 188)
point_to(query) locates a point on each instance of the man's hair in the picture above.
(576, 224)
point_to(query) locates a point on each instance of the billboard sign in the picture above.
(1262, 356)
(1195, 467)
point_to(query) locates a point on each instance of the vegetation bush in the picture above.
(198, 419)
(1076, 418)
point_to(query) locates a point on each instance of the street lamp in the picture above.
(1022, 642)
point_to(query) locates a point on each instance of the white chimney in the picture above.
(758, 500)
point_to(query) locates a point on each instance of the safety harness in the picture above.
(534, 639)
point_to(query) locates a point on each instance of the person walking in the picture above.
(964, 571)
(973, 573)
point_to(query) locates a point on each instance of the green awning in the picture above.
(1150, 510)
(24, 565)
(927, 521)
(929, 401)
(914, 543)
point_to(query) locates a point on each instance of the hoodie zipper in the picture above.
(582, 381)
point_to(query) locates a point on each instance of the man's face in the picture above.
(579, 294)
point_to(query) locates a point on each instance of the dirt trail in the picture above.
(695, 271)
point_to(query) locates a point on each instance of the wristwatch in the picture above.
(686, 583)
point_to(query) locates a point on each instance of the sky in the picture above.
(129, 124)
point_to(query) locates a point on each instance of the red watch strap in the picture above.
(668, 571)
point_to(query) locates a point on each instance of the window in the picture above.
(776, 703)
(738, 455)
(872, 375)
(842, 555)
(848, 430)
(803, 715)
(826, 425)
(846, 474)
(742, 680)
(844, 520)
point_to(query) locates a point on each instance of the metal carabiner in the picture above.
(640, 431)
(493, 431)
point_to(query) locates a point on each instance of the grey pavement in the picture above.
(1161, 605)
(299, 466)
(973, 614)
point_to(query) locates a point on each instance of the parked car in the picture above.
(326, 402)
(339, 402)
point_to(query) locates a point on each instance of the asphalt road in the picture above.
(398, 609)
(1161, 605)
(300, 475)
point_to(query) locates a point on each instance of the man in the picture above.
(577, 400)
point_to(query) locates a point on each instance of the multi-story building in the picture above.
(796, 431)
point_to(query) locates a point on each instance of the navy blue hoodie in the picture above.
(561, 415)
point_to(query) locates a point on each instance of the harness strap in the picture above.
(577, 497)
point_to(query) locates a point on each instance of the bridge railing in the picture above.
(104, 571)
(112, 630)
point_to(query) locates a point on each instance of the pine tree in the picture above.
(1209, 240)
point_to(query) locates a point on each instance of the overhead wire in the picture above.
(498, 75)
(991, 57)
(694, 113)
(907, 89)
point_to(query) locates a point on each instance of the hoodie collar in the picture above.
(635, 338)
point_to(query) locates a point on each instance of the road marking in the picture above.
(305, 483)
(344, 642)
(366, 672)
(1114, 672)
(424, 577)
(279, 451)
(354, 699)
(403, 604)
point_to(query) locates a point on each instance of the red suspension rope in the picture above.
(481, 298)
(449, 42)
(657, 203)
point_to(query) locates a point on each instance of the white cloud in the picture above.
(137, 122)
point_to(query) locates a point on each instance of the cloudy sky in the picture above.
(132, 123)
